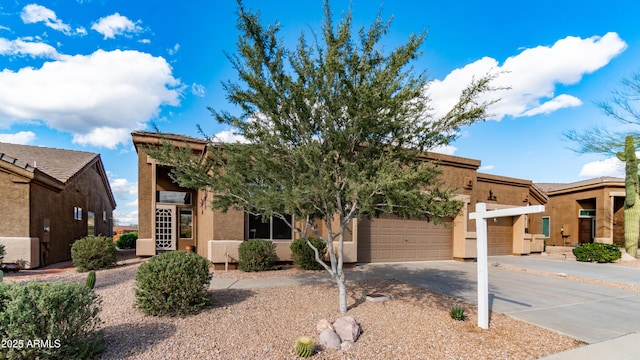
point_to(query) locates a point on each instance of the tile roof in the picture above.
(551, 187)
(169, 136)
(58, 163)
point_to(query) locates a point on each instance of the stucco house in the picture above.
(50, 198)
(584, 211)
(172, 217)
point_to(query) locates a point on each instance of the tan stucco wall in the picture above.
(563, 209)
(86, 191)
(14, 208)
(23, 250)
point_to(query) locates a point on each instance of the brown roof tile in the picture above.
(551, 187)
(58, 163)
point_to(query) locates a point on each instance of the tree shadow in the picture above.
(125, 340)
(226, 297)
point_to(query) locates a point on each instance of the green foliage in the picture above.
(256, 255)
(93, 253)
(91, 279)
(127, 240)
(304, 347)
(173, 283)
(597, 252)
(2, 253)
(303, 255)
(64, 317)
(457, 313)
(336, 128)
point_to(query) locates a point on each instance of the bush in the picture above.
(56, 320)
(93, 253)
(304, 257)
(256, 255)
(127, 240)
(598, 252)
(457, 313)
(2, 253)
(173, 283)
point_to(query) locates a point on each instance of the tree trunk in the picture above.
(632, 227)
(342, 294)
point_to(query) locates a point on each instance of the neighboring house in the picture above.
(48, 199)
(584, 211)
(172, 217)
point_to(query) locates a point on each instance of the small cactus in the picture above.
(91, 279)
(304, 347)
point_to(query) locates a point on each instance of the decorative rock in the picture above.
(329, 339)
(347, 328)
(347, 345)
(324, 324)
(377, 297)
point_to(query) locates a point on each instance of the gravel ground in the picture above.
(264, 323)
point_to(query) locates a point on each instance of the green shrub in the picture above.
(127, 240)
(56, 320)
(173, 283)
(256, 255)
(304, 257)
(93, 253)
(2, 253)
(598, 252)
(457, 313)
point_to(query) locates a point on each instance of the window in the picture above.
(585, 213)
(186, 223)
(173, 197)
(91, 224)
(545, 226)
(273, 229)
(77, 213)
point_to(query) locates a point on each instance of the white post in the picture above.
(483, 269)
(480, 215)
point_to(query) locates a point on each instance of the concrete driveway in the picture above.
(587, 312)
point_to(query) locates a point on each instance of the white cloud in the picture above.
(122, 187)
(198, 90)
(228, 136)
(2, 27)
(20, 47)
(21, 137)
(532, 76)
(99, 98)
(34, 13)
(445, 149)
(115, 24)
(608, 167)
(174, 49)
(124, 218)
(487, 167)
(132, 203)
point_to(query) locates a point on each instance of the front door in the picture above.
(165, 227)
(586, 230)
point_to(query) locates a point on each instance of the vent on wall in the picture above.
(525, 197)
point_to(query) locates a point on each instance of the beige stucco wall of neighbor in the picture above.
(23, 250)
(14, 190)
(564, 206)
(55, 210)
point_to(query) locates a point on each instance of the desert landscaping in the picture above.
(265, 323)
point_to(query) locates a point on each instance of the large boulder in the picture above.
(347, 328)
(324, 324)
(329, 339)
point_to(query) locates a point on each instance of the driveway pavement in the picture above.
(605, 316)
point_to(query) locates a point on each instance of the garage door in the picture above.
(500, 236)
(393, 239)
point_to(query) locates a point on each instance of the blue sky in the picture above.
(82, 74)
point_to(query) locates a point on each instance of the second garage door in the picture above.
(393, 239)
(500, 236)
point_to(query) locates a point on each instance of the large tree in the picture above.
(622, 142)
(336, 129)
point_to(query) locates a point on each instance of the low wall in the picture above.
(23, 250)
